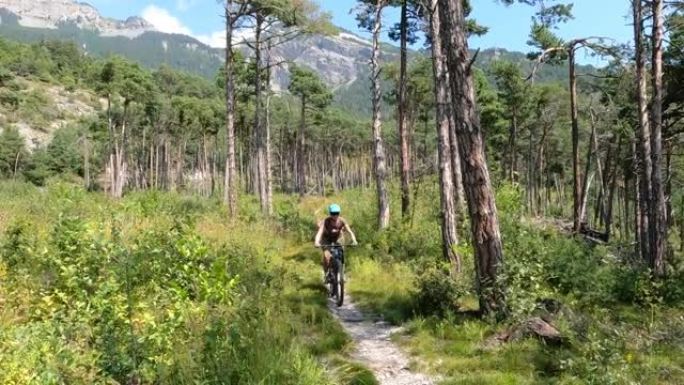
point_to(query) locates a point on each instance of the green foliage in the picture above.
(291, 218)
(12, 152)
(130, 291)
(307, 85)
(511, 86)
(5, 76)
(438, 291)
(61, 157)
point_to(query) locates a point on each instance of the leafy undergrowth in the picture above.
(158, 288)
(619, 326)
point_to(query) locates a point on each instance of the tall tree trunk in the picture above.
(585, 180)
(456, 168)
(530, 175)
(268, 180)
(605, 176)
(541, 166)
(608, 215)
(301, 143)
(16, 165)
(86, 163)
(512, 153)
(111, 146)
(481, 203)
(120, 171)
(380, 167)
(230, 179)
(681, 225)
(261, 176)
(638, 201)
(446, 175)
(403, 115)
(645, 164)
(576, 178)
(669, 148)
(658, 230)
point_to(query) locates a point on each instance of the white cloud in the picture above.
(216, 39)
(184, 5)
(163, 21)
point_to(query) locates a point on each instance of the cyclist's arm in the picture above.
(351, 233)
(319, 235)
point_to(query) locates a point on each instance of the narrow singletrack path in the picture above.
(374, 349)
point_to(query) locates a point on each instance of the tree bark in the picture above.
(577, 187)
(380, 167)
(540, 165)
(638, 225)
(681, 225)
(261, 176)
(658, 230)
(111, 145)
(403, 115)
(442, 117)
(513, 156)
(608, 215)
(301, 144)
(86, 163)
(669, 148)
(645, 164)
(456, 168)
(230, 180)
(267, 114)
(585, 180)
(481, 202)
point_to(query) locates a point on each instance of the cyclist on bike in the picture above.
(329, 231)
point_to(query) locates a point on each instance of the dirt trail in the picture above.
(374, 348)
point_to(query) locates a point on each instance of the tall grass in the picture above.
(157, 288)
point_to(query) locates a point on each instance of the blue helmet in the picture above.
(334, 209)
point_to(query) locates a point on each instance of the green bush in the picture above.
(13, 152)
(291, 218)
(131, 292)
(438, 292)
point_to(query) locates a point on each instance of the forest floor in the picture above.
(374, 347)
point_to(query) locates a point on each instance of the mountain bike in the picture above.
(334, 276)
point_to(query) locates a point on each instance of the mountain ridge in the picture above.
(341, 60)
(338, 59)
(50, 14)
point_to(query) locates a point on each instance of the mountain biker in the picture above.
(329, 231)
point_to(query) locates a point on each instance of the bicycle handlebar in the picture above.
(349, 245)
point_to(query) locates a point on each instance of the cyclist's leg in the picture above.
(325, 262)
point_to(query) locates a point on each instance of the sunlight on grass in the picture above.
(384, 290)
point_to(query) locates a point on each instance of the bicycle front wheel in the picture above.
(340, 283)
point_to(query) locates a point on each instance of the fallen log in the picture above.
(534, 327)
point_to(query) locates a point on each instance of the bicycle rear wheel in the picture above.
(330, 282)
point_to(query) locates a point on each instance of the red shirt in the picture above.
(332, 229)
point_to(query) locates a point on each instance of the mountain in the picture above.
(51, 14)
(36, 20)
(341, 60)
(338, 59)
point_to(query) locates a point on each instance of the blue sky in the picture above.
(509, 26)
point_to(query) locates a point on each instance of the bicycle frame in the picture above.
(336, 269)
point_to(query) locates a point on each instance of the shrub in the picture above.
(438, 292)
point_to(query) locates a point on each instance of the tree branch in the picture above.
(541, 60)
(472, 61)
